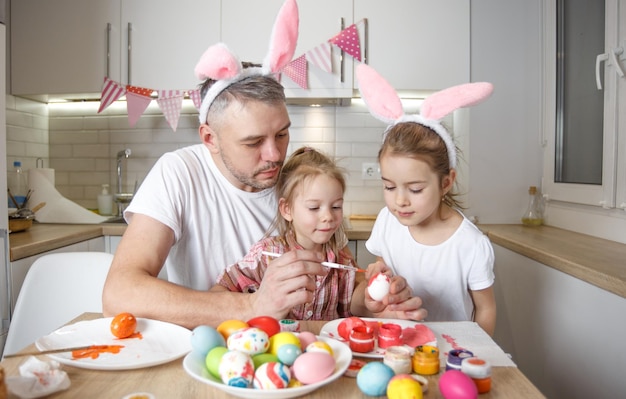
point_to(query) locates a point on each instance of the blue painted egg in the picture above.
(288, 353)
(373, 378)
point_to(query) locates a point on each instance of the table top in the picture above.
(171, 381)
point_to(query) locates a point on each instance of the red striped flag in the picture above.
(111, 91)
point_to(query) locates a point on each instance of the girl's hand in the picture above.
(399, 303)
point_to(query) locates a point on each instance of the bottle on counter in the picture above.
(534, 213)
(105, 201)
(17, 183)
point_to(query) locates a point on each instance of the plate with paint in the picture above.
(155, 342)
(413, 333)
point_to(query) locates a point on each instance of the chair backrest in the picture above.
(57, 288)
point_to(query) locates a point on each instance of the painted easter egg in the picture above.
(373, 378)
(378, 286)
(249, 340)
(236, 369)
(403, 386)
(272, 375)
(453, 384)
(312, 367)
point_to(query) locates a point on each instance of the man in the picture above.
(201, 207)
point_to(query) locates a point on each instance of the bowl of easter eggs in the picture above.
(255, 359)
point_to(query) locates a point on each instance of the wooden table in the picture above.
(171, 381)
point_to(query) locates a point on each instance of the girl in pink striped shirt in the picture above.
(310, 192)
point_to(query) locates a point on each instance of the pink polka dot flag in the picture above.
(297, 71)
(348, 41)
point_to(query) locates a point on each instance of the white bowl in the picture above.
(195, 367)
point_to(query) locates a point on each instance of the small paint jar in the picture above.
(479, 370)
(426, 360)
(289, 325)
(389, 334)
(362, 339)
(399, 359)
(455, 357)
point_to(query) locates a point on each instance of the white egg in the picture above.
(378, 286)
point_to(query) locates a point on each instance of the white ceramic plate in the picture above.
(330, 330)
(161, 343)
(343, 356)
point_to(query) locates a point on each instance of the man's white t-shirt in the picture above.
(214, 223)
(441, 275)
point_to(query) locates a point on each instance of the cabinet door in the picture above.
(247, 26)
(418, 45)
(166, 40)
(60, 46)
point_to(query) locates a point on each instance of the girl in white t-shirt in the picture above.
(421, 234)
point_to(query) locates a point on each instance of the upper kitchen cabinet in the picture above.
(418, 45)
(61, 46)
(247, 27)
(67, 47)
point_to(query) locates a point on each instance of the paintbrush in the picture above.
(60, 350)
(327, 264)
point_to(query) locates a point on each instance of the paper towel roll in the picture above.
(58, 209)
(47, 173)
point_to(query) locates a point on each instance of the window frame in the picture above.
(612, 192)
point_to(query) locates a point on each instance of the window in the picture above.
(585, 92)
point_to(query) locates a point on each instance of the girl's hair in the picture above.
(414, 140)
(302, 166)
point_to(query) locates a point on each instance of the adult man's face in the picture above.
(249, 143)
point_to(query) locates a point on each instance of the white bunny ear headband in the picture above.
(223, 66)
(384, 104)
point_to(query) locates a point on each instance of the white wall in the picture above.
(505, 152)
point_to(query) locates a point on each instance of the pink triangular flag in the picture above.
(171, 102)
(136, 104)
(111, 91)
(320, 57)
(195, 97)
(297, 71)
(348, 41)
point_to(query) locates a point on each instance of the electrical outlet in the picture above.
(370, 171)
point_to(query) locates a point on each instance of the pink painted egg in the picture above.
(453, 384)
(312, 367)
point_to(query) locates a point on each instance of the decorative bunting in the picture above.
(137, 100)
(320, 57)
(348, 41)
(171, 102)
(297, 71)
(111, 91)
(195, 97)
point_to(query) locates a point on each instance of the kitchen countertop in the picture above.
(42, 237)
(594, 260)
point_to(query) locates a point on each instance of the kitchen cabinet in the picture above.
(566, 321)
(20, 267)
(248, 33)
(418, 45)
(67, 47)
(361, 254)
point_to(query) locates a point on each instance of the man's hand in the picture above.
(288, 281)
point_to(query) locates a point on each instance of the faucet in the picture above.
(120, 197)
(122, 154)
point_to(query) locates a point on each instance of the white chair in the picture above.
(57, 288)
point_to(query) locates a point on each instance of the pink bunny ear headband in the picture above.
(223, 66)
(384, 104)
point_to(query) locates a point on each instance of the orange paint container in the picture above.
(426, 360)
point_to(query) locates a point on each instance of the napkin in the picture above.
(38, 378)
